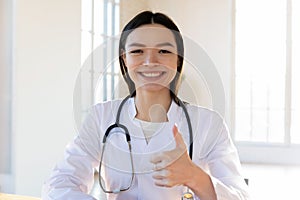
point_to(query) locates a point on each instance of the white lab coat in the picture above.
(214, 152)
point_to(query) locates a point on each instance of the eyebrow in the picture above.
(165, 44)
(158, 45)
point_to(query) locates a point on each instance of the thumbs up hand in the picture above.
(173, 167)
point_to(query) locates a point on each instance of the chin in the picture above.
(152, 87)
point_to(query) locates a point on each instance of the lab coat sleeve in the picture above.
(72, 178)
(224, 166)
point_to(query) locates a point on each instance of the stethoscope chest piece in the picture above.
(187, 196)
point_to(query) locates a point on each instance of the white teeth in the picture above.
(151, 74)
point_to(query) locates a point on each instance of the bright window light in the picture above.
(260, 62)
(99, 30)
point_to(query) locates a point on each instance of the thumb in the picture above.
(178, 138)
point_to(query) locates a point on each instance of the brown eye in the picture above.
(164, 51)
(136, 51)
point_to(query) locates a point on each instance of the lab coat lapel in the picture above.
(136, 133)
(163, 139)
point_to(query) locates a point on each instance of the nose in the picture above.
(150, 57)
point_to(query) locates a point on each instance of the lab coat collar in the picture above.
(172, 114)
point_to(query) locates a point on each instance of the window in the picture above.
(267, 77)
(99, 75)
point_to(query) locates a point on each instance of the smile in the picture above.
(151, 74)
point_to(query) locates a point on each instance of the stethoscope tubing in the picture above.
(128, 139)
(117, 124)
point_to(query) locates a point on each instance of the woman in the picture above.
(151, 55)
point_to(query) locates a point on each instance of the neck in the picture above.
(152, 106)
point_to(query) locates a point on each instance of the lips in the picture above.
(151, 74)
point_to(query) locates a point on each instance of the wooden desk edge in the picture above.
(16, 197)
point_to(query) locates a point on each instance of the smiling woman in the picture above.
(138, 162)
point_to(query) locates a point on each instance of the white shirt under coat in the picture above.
(213, 151)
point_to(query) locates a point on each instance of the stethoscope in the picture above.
(117, 124)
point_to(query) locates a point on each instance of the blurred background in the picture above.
(49, 76)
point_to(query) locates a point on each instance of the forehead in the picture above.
(151, 35)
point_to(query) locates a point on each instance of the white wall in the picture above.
(46, 62)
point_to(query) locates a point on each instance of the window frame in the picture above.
(88, 94)
(267, 152)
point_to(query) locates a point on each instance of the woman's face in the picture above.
(151, 57)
